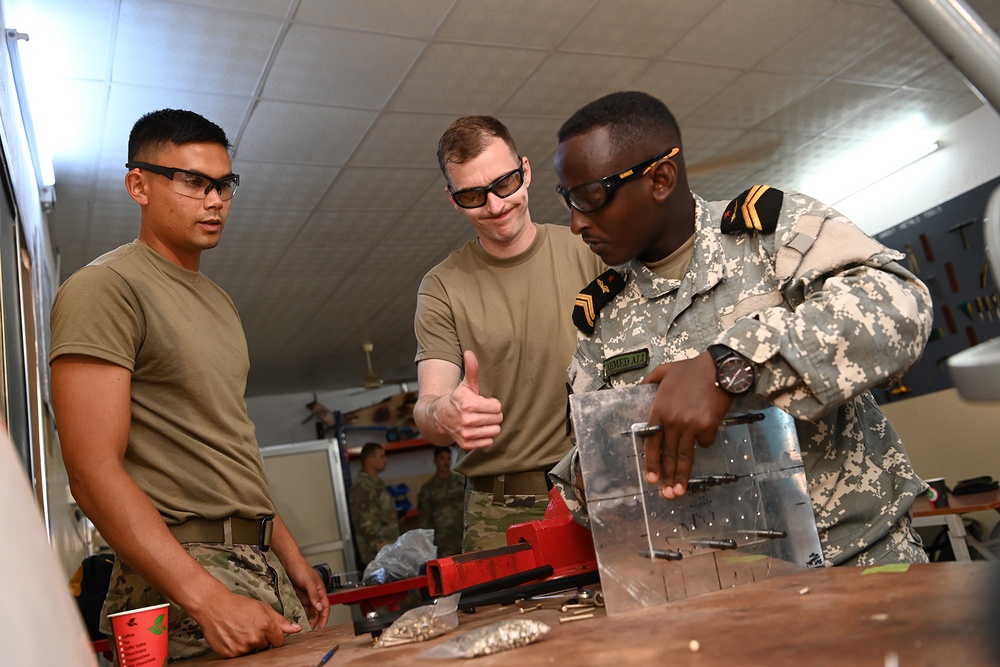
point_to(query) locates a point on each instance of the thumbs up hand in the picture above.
(473, 420)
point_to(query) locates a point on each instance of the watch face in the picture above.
(735, 376)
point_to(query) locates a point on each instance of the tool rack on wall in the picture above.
(945, 248)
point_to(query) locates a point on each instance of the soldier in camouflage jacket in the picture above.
(818, 312)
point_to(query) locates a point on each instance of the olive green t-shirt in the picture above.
(192, 446)
(516, 314)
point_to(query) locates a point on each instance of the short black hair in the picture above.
(441, 450)
(632, 118)
(172, 126)
(369, 450)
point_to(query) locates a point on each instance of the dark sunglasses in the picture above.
(591, 196)
(503, 187)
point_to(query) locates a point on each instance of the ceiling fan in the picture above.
(372, 379)
(762, 152)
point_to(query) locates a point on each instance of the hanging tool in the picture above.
(928, 251)
(960, 228)
(912, 262)
(952, 276)
(949, 319)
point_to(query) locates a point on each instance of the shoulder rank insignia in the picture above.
(595, 296)
(756, 210)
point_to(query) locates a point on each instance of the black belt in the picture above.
(228, 531)
(529, 483)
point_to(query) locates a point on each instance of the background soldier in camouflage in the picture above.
(373, 511)
(815, 311)
(441, 502)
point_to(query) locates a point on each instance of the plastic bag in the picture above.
(402, 559)
(420, 623)
(493, 638)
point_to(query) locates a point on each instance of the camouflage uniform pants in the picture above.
(243, 568)
(901, 545)
(486, 523)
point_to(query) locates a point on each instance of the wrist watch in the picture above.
(733, 373)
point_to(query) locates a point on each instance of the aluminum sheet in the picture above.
(751, 518)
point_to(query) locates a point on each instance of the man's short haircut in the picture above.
(369, 450)
(632, 118)
(467, 137)
(441, 450)
(172, 126)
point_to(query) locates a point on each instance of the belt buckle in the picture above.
(266, 528)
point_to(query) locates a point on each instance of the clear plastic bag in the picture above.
(493, 638)
(402, 559)
(421, 623)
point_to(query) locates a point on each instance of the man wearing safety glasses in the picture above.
(498, 311)
(773, 297)
(149, 367)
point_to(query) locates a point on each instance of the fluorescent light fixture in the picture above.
(41, 158)
(869, 163)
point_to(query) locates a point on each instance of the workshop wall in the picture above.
(945, 248)
(949, 437)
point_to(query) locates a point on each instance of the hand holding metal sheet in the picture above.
(746, 513)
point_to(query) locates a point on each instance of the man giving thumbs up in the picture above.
(499, 309)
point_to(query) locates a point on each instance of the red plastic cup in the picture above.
(141, 636)
(937, 493)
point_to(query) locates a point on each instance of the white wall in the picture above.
(969, 156)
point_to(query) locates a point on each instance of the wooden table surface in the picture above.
(928, 615)
(972, 502)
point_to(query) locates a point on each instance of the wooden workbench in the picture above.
(951, 517)
(928, 615)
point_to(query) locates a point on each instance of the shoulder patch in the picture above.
(595, 296)
(756, 210)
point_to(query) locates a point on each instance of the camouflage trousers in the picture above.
(901, 545)
(243, 568)
(486, 523)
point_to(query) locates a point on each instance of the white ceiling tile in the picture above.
(174, 56)
(837, 40)
(414, 19)
(326, 228)
(903, 58)
(741, 34)
(826, 107)
(362, 188)
(532, 23)
(635, 27)
(402, 140)
(700, 84)
(72, 131)
(537, 135)
(127, 103)
(339, 67)
(342, 208)
(565, 82)
(302, 133)
(707, 144)
(938, 108)
(66, 42)
(292, 186)
(943, 77)
(254, 226)
(273, 8)
(461, 78)
(750, 99)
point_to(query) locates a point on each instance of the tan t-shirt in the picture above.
(192, 446)
(516, 314)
